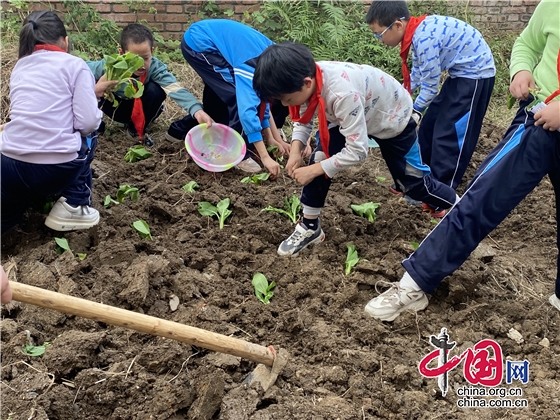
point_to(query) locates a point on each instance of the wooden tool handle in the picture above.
(143, 323)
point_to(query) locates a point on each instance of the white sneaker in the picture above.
(249, 165)
(554, 301)
(64, 217)
(389, 304)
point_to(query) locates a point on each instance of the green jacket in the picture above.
(159, 74)
(540, 40)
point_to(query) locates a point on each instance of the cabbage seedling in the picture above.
(136, 153)
(122, 192)
(190, 187)
(143, 229)
(366, 210)
(292, 206)
(263, 290)
(221, 210)
(61, 245)
(351, 259)
(121, 67)
(256, 179)
(35, 351)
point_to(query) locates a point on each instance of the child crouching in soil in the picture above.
(358, 101)
(138, 114)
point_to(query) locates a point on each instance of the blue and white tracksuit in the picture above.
(451, 125)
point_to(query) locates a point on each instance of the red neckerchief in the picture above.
(48, 47)
(411, 26)
(314, 101)
(557, 91)
(137, 116)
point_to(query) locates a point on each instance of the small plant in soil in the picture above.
(292, 207)
(143, 229)
(380, 179)
(220, 210)
(263, 290)
(256, 179)
(415, 245)
(351, 259)
(275, 152)
(190, 187)
(122, 192)
(366, 210)
(35, 351)
(136, 153)
(61, 245)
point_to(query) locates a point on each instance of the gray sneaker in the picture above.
(300, 239)
(64, 217)
(389, 304)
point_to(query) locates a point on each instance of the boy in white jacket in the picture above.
(353, 102)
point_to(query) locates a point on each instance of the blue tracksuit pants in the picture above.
(511, 171)
(402, 156)
(23, 182)
(451, 126)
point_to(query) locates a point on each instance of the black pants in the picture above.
(152, 104)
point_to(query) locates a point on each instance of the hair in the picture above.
(136, 34)
(385, 12)
(43, 27)
(281, 69)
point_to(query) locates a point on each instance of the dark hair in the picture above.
(281, 69)
(136, 34)
(43, 27)
(385, 12)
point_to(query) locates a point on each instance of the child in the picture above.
(223, 53)
(158, 82)
(453, 118)
(528, 151)
(46, 148)
(360, 101)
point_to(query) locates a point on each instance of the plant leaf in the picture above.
(142, 228)
(35, 351)
(262, 288)
(190, 186)
(62, 245)
(351, 259)
(207, 209)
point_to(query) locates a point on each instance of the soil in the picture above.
(342, 364)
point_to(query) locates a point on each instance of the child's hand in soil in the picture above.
(549, 116)
(307, 174)
(521, 83)
(272, 166)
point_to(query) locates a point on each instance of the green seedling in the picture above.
(143, 229)
(351, 259)
(292, 206)
(366, 210)
(415, 245)
(35, 351)
(263, 290)
(136, 153)
(256, 179)
(121, 68)
(61, 245)
(190, 187)
(122, 192)
(81, 257)
(381, 179)
(221, 210)
(275, 151)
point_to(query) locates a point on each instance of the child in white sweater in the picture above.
(353, 102)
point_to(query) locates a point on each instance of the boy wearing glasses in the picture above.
(452, 119)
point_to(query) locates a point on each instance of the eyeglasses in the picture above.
(379, 36)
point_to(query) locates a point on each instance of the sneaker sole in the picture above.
(64, 226)
(320, 238)
(416, 306)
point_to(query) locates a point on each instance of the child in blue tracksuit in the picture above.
(223, 53)
(158, 83)
(529, 151)
(453, 117)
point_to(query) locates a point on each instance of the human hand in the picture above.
(5, 290)
(549, 116)
(103, 84)
(307, 174)
(294, 162)
(306, 152)
(521, 83)
(202, 117)
(272, 166)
